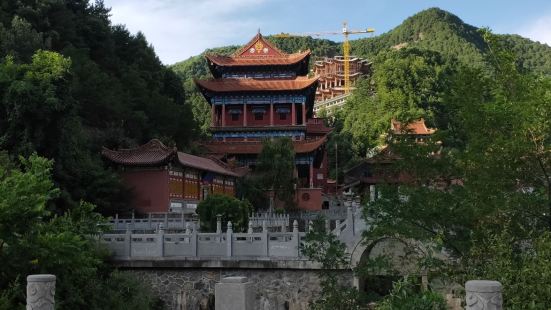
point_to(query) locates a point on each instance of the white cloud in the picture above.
(179, 29)
(538, 30)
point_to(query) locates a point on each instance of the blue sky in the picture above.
(179, 29)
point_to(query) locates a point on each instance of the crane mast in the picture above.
(345, 47)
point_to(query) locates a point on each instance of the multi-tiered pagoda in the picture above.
(258, 93)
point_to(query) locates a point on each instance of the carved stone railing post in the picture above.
(296, 237)
(483, 295)
(229, 239)
(40, 292)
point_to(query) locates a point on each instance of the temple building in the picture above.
(330, 94)
(377, 169)
(163, 179)
(258, 93)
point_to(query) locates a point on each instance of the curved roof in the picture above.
(258, 43)
(152, 153)
(155, 153)
(258, 60)
(416, 127)
(236, 85)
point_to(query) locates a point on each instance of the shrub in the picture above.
(231, 209)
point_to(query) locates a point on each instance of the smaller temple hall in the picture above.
(163, 179)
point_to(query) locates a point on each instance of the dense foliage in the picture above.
(486, 196)
(275, 169)
(70, 83)
(34, 240)
(443, 32)
(229, 209)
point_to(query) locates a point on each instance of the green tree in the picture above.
(324, 247)
(488, 189)
(275, 169)
(229, 208)
(35, 240)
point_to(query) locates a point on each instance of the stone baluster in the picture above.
(229, 240)
(41, 292)
(296, 237)
(483, 295)
(264, 226)
(161, 240)
(337, 228)
(250, 230)
(327, 226)
(219, 224)
(188, 228)
(133, 219)
(350, 220)
(128, 241)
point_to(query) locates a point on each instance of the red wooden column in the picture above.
(293, 114)
(244, 115)
(223, 115)
(312, 174)
(271, 114)
(303, 113)
(213, 115)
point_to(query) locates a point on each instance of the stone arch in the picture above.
(398, 249)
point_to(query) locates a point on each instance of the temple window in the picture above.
(259, 113)
(235, 114)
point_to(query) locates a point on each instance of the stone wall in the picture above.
(193, 289)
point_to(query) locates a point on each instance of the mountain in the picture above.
(441, 31)
(432, 29)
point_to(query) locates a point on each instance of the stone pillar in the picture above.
(161, 240)
(229, 240)
(271, 114)
(350, 220)
(483, 295)
(40, 292)
(372, 192)
(218, 224)
(234, 293)
(223, 115)
(250, 229)
(296, 236)
(128, 241)
(293, 114)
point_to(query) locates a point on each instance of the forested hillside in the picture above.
(101, 86)
(432, 30)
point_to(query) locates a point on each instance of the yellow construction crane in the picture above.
(345, 46)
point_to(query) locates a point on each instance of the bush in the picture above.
(406, 295)
(231, 209)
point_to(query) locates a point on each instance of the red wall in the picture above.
(229, 121)
(250, 116)
(309, 198)
(150, 189)
(287, 120)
